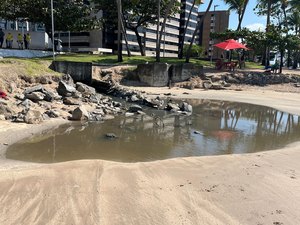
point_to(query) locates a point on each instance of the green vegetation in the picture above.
(29, 67)
(134, 60)
(254, 65)
(196, 50)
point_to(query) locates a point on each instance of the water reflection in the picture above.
(216, 127)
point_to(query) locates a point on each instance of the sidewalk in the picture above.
(24, 53)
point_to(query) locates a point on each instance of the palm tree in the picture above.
(181, 44)
(167, 12)
(267, 5)
(187, 58)
(240, 7)
(294, 21)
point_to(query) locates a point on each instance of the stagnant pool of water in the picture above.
(215, 127)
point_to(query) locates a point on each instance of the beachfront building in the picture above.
(215, 21)
(39, 39)
(106, 40)
(172, 34)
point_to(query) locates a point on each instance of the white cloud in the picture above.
(256, 27)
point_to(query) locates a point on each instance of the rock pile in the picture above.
(65, 99)
(212, 81)
(140, 98)
(69, 100)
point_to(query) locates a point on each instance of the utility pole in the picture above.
(120, 58)
(52, 21)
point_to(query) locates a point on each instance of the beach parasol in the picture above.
(230, 45)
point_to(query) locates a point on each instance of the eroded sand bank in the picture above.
(260, 188)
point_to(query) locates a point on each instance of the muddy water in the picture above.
(216, 127)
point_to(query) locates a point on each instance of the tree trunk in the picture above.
(242, 16)
(139, 40)
(162, 29)
(187, 59)
(181, 44)
(281, 61)
(120, 58)
(267, 60)
(125, 37)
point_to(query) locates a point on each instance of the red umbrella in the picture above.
(230, 44)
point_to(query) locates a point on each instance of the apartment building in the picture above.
(215, 21)
(172, 34)
(39, 38)
(107, 39)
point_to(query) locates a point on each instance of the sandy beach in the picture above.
(259, 188)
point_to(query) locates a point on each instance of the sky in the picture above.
(251, 20)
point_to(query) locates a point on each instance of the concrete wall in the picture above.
(79, 71)
(154, 74)
(159, 74)
(184, 71)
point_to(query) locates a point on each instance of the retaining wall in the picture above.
(79, 71)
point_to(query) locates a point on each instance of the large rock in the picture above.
(38, 88)
(135, 108)
(33, 117)
(35, 96)
(51, 95)
(186, 107)
(26, 103)
(83, 88)
(80, 113)
(67, 78)
(65, 90)
(52, 113)
(71, 101)
(172, 107)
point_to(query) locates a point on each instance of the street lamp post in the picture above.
(52, 21)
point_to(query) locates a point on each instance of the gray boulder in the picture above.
(26, 103)
(35, 96)
(172, 107)
(33, 117)
(111, 135)
(66, 78)
(65, 90)
(37, 88)
(83, 88)
(71, 101)
(186, 107)
(80, 113)
(52, 113)
(51, 95)
(135, 108)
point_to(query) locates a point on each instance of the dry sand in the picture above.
(260, 188)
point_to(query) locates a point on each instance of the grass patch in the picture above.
(134, 60)
(254, 65)
(30, 67)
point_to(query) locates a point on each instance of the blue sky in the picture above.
(251, 20)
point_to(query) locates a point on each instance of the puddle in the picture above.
(215, 128)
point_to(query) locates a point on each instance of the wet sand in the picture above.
(259, 188)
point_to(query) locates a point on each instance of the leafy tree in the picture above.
(240, 7)
(196, 50)
(70, 15)
(269, 8)
(137, 14)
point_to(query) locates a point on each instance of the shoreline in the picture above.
(254, 188)
(11, 133)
